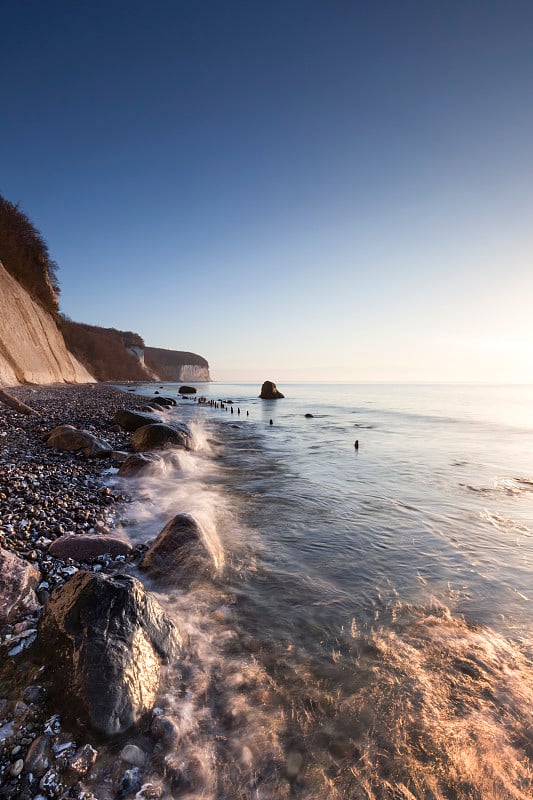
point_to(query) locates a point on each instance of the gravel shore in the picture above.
(44, 494)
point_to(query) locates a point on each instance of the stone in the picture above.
(104, 638)
(165, 401)
(131, 420)
(179, 553)
(70, 439)
(18, 581)
(269, 391)
(138, 464)
(82, 760)
(84, 546)
(38, 758)
(161, 437)
(309, 416)
(133, 755)
(130, 782)
(187, 390)
(164, 728)
(16, 768)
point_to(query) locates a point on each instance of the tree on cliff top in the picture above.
(24, 254)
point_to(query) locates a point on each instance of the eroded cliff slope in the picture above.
(32, 349)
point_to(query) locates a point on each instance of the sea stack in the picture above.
(270, 392)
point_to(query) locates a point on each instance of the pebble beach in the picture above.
(46, 494)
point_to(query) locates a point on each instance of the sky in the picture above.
(295, 190)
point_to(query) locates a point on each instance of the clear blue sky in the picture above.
(295, 190)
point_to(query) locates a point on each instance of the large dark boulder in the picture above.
(179, 554)
(18, 580)
(105, 638)
(187, 390)
(72, 440)
(162, 437)
(141, 464)
(131, 420)
(270, 392)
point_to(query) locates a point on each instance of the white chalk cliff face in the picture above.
(32, 349)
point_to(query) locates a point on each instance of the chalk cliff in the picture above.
(32, 349)
(176, 365)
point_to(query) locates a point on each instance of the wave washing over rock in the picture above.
(285, 676)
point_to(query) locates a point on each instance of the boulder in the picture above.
(18, 580)
(270, 392)
(139, 464)
(161, 437)
(72, 440)
(131, 420)
(104, 638)
(179, 553)
(165, 401)
(84, 546)
(187, 390)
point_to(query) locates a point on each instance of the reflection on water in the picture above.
(368, 633)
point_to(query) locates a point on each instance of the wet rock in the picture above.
(16, 768)
(165, 401)
(187, 390)
(85, 546)
(51, 784)
(179, 553)
(39, 759)
(309, 416)
(162, 437)
(18, 580)
(72, 440)
(82, 761)
(130, 783)
(133, 755)
(7, 732)
(131, 420)
(165, 729)
(105, 638)
(138, 464)
(269, 391)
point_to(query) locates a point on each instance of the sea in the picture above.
(368, 633)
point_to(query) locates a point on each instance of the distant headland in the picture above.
(40, 345)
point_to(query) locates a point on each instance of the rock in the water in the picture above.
(161, 437)
(84, 546)
(138, 464)
(309, 416)
(179, 554)
(131, 420)
(165, 401)
(18, 580)
(66, 437)
(104, 638)
(82, 761)
(269, 391)
(187, 390)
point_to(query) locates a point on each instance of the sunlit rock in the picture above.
(105, 638)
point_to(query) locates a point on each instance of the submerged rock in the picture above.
(162, 437)
(269, 391)
(105, 638)
(187, 390)
(179, 554)
(165, 401)
(72, 440)
(18, 580)
(131, 420)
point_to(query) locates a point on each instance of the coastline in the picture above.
(46, 494)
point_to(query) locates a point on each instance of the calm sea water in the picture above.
(370, 631)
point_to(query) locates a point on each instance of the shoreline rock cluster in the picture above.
(63, 571)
